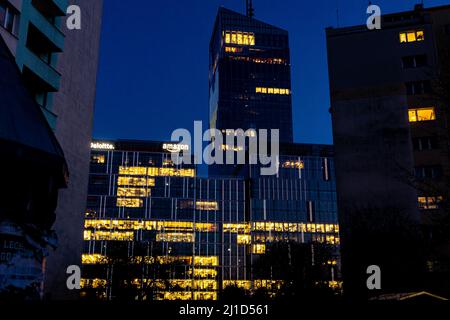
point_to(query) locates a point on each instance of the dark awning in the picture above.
(25, 135)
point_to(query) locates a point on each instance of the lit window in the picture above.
(98, 158)
(156, 172)
(239, 38)
(92, 259)
(137, 182)
(429, 203)
(175, 237)
(107, 235)
(207, 205)
(243, 284)
(281, 91)
(293, 164)
(422, 114)
(244, 239)
(130, 203)
(259, 249)
(133, 192)
(212, 261)
(412, 36)
(92, 283)
(203, 273)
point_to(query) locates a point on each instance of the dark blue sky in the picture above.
(153, 75)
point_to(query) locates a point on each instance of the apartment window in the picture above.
(428, 172)
(2, 13)
(418, 61)
(447, 29)
(418, 87)
(412, 36)
(429, 203)
(422, 114)
(9, 18)
(425, 143)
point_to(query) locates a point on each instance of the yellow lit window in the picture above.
(183, 295)
(239, 38)
(175, 237)
(259, 248)
(412, 36)
(139, 171)
(138, 182)
(264, 90)
(207, 205)
(429, 203)
(98, 158)
(243, 284)
(236, 227)
(130, 203)
(422, 114)
(234, 38)
(92, 283)
(202, 295)
(244, 239)
(212, 261)
(293, 165)
(203, 273)
(92, 259)
(133, 192)
(107, 235)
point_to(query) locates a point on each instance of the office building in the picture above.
(389, 106)
(154, 230)
(249, 78)
(59, 67)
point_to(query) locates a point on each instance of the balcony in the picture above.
(47, 28)
(51, 8)
(44, 75)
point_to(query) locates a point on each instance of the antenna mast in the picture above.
(250, 10)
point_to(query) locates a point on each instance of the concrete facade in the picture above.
(376, 79)
(74, 105)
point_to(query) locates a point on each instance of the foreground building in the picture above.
(390, 111)
(35, 165)
(59, 69)
(154, 230)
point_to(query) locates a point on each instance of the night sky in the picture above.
(153, 74)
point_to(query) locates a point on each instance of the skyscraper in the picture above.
(249, 75)
(59, 68)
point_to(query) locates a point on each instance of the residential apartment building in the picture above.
(389, 106)
(59, 67)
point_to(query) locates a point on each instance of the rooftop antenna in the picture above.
(250, 10)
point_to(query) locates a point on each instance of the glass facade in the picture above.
(180, 236)
(250, 75)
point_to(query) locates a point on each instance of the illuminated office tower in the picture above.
(249, 77)
(155, 230)
(59, 69)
